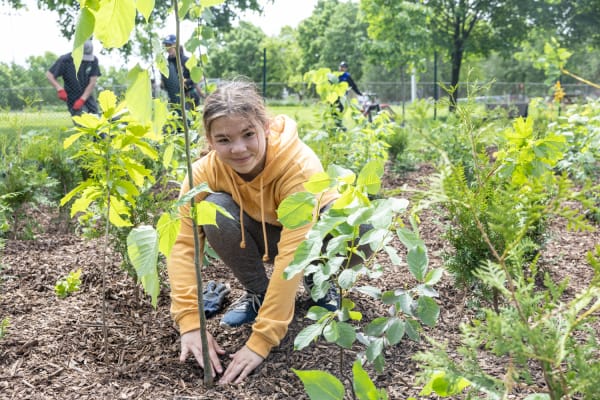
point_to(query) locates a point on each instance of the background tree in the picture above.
(237, 52)
(283, 60)
(464, 26)
(333, 33)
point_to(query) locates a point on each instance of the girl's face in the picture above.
(240, 143)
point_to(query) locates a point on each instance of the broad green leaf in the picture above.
(393, 255)
(117, 209)
(307, 252)
(72, 139)
(115, 20)
(320, 385)
(364, 388)
(161, 64)
(538, 396)
(145, 7)
(296, 210)
(346, 335)
(372, 291)
(139, 94)
(184, 7)
(317, 313)
(370, 176)
(417, 262)
(442, 386)
(318, 183)
(395, 331)
(374, 237)
(331, 332)
(342, 174)
(88, 195)
(83, 31)
(107, 100)
(168, 155)
(161, 113)
(137, 172)
(347, 278)
(205, 213)
(409, 238)
(412, 329)
(428, 310)
(377, 327)
(434, 276)
(374, 349)
(307, 336)
(142, 249)
(168, 228)
(202, 187)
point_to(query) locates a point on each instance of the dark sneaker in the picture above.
(243, 311)
(331, 300)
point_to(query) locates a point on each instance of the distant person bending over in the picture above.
(170, 83)
(78, 89)
(254, 163)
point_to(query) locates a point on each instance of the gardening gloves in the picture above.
(78, 104)
(214, 295)
(62, 94)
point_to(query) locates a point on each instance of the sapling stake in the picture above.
(198, 238)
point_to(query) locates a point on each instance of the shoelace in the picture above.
(251, 299)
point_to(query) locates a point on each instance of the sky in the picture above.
(32, 32)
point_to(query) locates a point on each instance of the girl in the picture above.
(253, 165)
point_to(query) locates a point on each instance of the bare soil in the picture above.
(54, 348)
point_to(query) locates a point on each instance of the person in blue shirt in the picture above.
(344, 77)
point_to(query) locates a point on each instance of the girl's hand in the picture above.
(244, 361)
(191, 342)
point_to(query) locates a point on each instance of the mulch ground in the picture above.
(55, 348)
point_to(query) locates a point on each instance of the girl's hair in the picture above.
(239, 97)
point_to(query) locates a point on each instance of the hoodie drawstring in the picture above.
(262, 220)
(262, 217)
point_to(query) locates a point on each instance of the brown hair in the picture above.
(239, 97)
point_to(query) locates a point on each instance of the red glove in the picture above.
(62, 94)
(78, 104)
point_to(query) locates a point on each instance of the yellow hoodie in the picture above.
(289, 164)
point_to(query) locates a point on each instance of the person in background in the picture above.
(170, 82)
(78, 86)
(346, 77)
(255, 162)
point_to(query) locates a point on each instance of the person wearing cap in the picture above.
(170, 82)
(79, 85)
(344, 77)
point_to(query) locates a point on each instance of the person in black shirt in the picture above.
(170, 83)
(78, 89)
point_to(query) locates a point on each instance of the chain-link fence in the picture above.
(387, 92)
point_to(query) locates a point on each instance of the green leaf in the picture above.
(83, 31)
(320, 385)
(117, 209)
(347, 278)
(374, 349)
(211, 3)
(409, 238)
(427, 310)
(186, 198)
(296, 210)
(107, 100)
(167, 228)
(434, 276)
(395, 331)
(307, 336)
(370, 176)
(205, 213)
(346, 335)
(417, 262)
(442, 386)
(412, 329)
(115, 20)
(142, 249)
(372, 291)
(393, 255)
(318, 183)
(331, 332)
(145, 7)
(376, 327)
(139, 94)
(364, 388)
